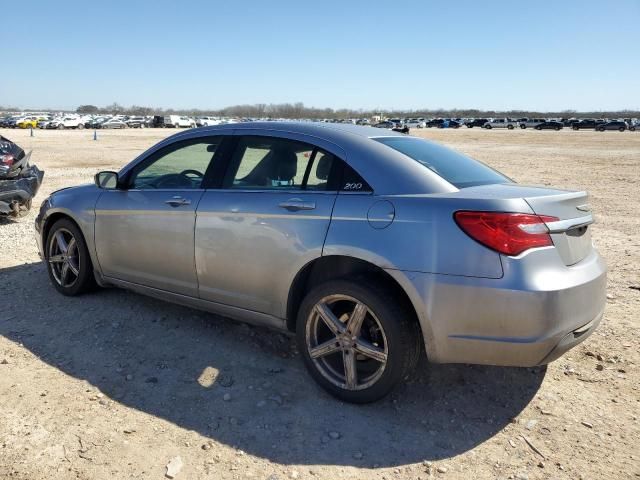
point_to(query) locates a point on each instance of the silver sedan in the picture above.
(373, 247)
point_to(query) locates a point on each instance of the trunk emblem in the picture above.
(584, 208)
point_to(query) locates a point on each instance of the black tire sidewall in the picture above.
(399, 328)
(85, 277)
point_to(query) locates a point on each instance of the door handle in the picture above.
(178, 201)
(296, 204)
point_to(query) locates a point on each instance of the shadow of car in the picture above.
(277, 412)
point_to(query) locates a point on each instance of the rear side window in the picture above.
(456, 168)
(268, 163)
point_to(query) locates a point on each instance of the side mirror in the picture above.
(107, 180)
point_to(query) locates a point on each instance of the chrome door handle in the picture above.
(295, 204)
(178, 201)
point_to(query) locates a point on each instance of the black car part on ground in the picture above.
(19, 181)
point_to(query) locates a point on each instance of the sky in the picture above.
(545, 55)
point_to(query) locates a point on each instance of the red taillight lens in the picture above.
(6, 159)
(508, 233)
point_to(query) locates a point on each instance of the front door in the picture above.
(269, 219)
(145, 231)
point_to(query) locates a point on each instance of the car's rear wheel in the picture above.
(538, 128)
(510, 127)
(81, 126)
(601, 129)
(557, 129)
(357, 340)
(523, 126)
(621, 129)
(67, 257)
(488, 127)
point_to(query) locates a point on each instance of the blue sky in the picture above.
(543, 55)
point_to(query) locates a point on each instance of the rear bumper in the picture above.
(535, 313)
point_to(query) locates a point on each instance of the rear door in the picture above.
(145, 231)
(267, 221)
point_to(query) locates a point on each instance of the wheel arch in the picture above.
(330, 267)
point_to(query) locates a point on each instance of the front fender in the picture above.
(76, 203)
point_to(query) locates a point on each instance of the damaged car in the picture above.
(19, 180)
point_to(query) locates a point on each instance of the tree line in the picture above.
(299, 110)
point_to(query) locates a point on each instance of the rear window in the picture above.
(457, 169)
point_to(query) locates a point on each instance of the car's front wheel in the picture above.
(357, 339)
(67, 257)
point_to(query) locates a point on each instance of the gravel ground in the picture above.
(116, 385)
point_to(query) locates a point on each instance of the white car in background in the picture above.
(530, 122)
(71, 122)
(207, 121)
(500, 123)
(178, 121)
(415, 123)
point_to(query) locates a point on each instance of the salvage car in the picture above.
(19, 180)
(373, 247)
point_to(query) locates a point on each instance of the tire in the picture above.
(510, 127)
(621, 129)
(61, 127)
(81, 126)
(78, 278)
(388, 330)
(538, 128)
(600, 129)
(523, 127)
(488, 127)
(557, 129)
(632, 129)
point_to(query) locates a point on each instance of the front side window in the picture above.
(179, 166)
(267, 163)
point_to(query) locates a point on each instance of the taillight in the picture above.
(6, 159)
(507, 233)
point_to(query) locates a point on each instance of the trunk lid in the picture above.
(570, 234)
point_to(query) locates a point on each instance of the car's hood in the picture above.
(87, 187)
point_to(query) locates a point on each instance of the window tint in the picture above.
(319, 171)
(275, 163)
(457, 169)
(180, 166)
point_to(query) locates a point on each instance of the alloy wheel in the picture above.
(346, 342)
(64, 257)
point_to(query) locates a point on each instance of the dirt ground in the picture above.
(114, 385)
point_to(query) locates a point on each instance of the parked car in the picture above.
(28, 122)
(415, 123)
(19, 179)
(71, 122)
(476, 269)
(530, 122)
(613, 125)
(476, 122)
(157, 121)
(434, 122)
(389, 125)
(499, 123)
(177, 121)
(207, 121)
(587, 123)
(135, 122)
(549, 125)
(113, 123)
(447, 123)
